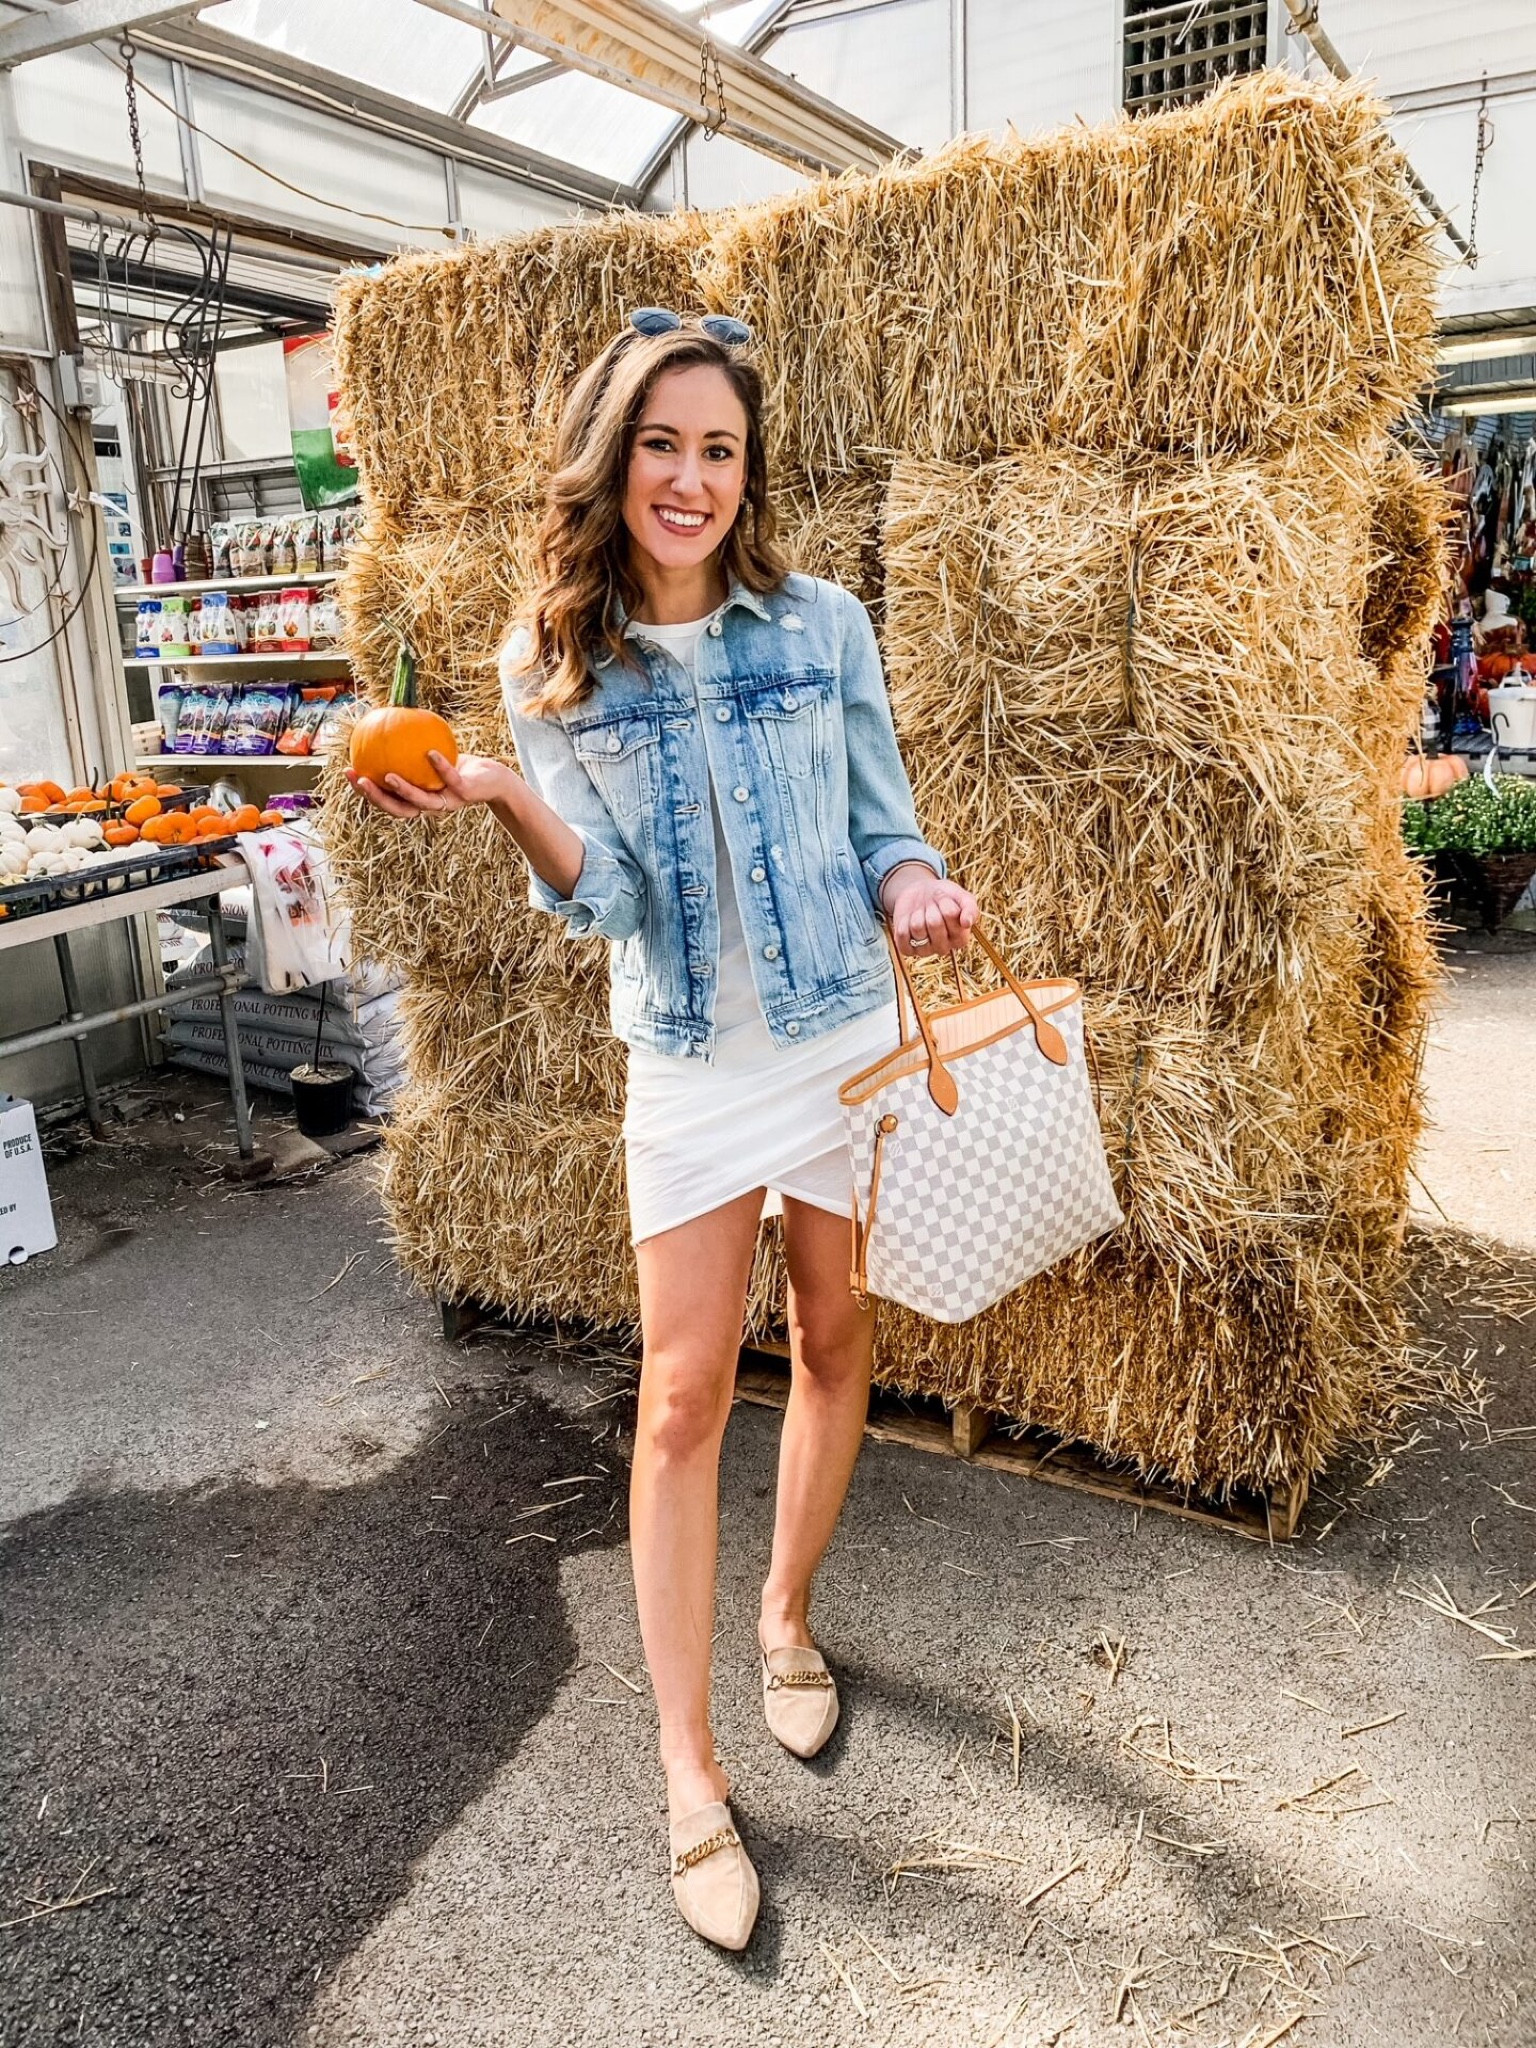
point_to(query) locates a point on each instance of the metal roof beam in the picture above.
(645, 49)
(83, 21)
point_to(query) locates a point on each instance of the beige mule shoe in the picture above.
(713, 1881)
(799, 1698)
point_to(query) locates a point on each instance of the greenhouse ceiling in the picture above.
(584, 96)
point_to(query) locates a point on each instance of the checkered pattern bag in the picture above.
(976, 1152)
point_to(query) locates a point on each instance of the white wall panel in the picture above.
(253, 402)
(72, 109)
(1038, 63)
(495, 206)
(337, 167)
(23, 323)
(889, 65)
(1405, 45)
(726, 173)
(1440, 146)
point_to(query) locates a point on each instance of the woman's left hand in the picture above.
(927, 916)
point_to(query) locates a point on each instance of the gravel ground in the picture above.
(323, 1721)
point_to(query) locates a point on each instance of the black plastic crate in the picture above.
(150, 865)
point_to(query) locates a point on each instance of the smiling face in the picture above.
(687, 469)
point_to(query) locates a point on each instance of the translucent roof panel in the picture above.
(598, 127)
(393, 45)
(400, 47)
(583, 121)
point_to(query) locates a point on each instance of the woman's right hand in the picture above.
(472, 779)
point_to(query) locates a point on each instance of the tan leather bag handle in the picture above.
(941, 1083)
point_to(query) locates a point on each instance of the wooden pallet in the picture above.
(970, 1432)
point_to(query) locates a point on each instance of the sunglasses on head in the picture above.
(718, 326)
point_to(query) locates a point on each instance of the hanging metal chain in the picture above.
(128, 52)
(711, 84)
(1484, 143)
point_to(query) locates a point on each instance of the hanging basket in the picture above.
(1494, 882)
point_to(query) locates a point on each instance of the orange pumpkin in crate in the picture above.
(395, 738)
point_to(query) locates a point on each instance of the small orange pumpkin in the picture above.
(120, 835)
(395, 738)
(142, 809)
(1431, 775)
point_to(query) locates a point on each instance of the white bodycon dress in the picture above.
(697, 1135)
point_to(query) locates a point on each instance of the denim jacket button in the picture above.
(792, 1030)
(770, 952)
(740, 794)
(724, 714)
(715, 629)
(614, 744)
(759, 874)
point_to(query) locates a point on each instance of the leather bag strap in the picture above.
(941, 1085)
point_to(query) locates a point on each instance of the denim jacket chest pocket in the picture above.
(620, 755)
(791, 719)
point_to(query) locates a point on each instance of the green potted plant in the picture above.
(1480, 833)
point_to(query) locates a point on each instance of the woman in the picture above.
(711, 781)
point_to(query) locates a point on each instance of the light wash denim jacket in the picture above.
(815, 807)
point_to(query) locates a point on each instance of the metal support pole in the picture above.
(219, 945)
(74, 1014)
(125, 1013)
(959, 68)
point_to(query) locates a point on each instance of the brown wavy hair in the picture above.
(586, 588)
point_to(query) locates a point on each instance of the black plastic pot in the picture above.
(322, 1099)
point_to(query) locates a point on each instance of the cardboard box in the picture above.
(26, 1214)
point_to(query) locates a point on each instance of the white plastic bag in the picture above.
(300, 934)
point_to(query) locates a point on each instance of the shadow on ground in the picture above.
(246, 1710)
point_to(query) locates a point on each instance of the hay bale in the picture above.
(830, 527)
(1410, 516)
(516, 1207)
(1128, 691)
(1120, 688)
(1219, 279)
(454, 367)
(1122, 391)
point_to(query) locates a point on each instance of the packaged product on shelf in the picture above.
(147, 630)
(200, 720)
(283, 557)
(175, 628)
(293, 619)
(218, 632)
(168, 698)
(266, 623)
(306, 715)
(334, 542)
(257, 714)
(293, 803)
(250, 550)
(220, 536)
(324, 620)
(306, 545)
(333, 726)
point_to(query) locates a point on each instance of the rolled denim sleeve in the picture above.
(882, 821)
(608, 901)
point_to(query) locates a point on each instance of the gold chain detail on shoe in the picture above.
(813, 1680)
(722, 1838)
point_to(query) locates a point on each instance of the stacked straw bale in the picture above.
(1096, 425)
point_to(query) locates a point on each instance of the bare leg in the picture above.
(693, 1292)
(831, 1341)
